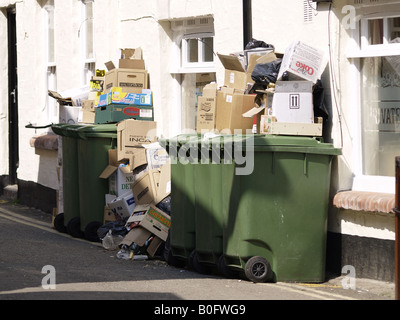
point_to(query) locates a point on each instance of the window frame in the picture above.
(50, 65)
(360, 48)
(185, 64)
(88, 64)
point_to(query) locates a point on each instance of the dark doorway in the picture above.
(12, 97)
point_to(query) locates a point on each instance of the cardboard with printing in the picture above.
(119, 174)
(130, 80)
(134, 133)
(293, 102)
(230, 107)
(156, 155)
(117, 96)
(145, 187)
(206, 110)
(302, 62)
(114, 113)
(157, 222)
(122, 206)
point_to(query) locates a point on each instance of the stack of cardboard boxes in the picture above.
(122, 93)
(139, 179)
(287, 106)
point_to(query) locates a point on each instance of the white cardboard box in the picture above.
(293, 102)
(123, 206)
(303, 62)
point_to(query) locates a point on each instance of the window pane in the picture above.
(380, 101)
(208, 49)
(394, 25)
(193, 53)
(375, 31)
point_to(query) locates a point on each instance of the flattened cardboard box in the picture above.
(134, 133)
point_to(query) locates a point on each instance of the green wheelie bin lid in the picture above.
(275, 143)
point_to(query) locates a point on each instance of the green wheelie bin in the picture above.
(70, 174)
(209, 216)
(276, 224)
(93, 145)
(181, 240)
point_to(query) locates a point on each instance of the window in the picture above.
(198, 51)
(193, 63)
(86, 33)
(377, 63)
(51, 79)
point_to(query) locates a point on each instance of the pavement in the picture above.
(333, 288)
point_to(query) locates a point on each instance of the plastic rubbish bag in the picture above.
(320, 109)
(253, 43)
(116, 227)
(264, 73)
(111, 242)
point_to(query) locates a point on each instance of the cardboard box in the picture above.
(235, 74)
(114, 113)
(71, 97)
(130, 80)
(131, 59)
(293, 102)
(144, 189)
(122, 206)
(70, 114)
(88, 116)
(120, 176)
(302, 61)
(153, 186)
(137, 214)
(157, 222)
(88, 111)
(134, 133)
(117, 96)
(108, 215)
(206, 108)
(136, 235)
(269, 125)
(96, 84)
(156, 155)
(230, 107)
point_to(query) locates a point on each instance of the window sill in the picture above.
(47, 142)
(365, 201)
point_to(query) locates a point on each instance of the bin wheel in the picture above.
(91, 231)
(74, 228)
(224, 270)
(169, 257)
(258, 269)
(59, 223)
(197, 265)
